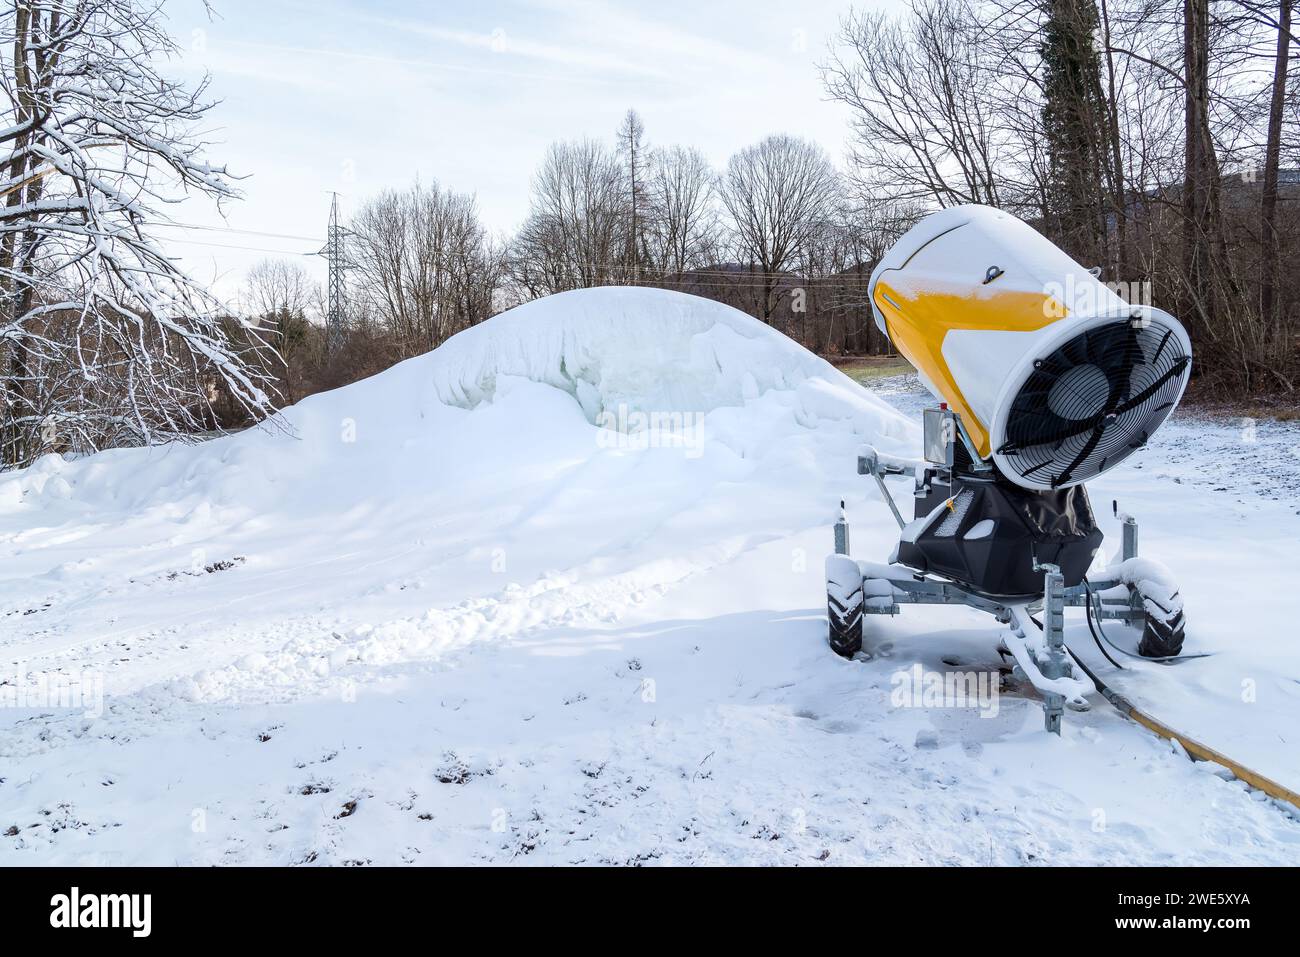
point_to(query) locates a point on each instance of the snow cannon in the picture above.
(1056, 378)
(1045, 378)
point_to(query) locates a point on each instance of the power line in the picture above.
(745, 280)
(740, 272)
(738, 276)
(231, 229)
(254, 249)
(741, 278)
(720, 278)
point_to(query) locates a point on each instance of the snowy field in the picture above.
(443, 616)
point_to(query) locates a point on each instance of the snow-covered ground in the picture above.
(444, 616)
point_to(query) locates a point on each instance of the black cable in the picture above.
(1124, 651)
(1094, 636)
(1101, 685)
(1087, 590)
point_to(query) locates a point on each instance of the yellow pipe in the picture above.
(1199, 751)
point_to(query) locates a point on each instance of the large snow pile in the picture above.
(629, 359)
(553, 592)
(647, 350)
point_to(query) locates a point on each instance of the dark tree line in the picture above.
(772, 233)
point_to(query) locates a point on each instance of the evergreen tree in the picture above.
(1075, 128)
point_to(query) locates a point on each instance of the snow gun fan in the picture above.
(1045, 378)
(1092, 401)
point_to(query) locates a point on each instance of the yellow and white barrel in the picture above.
(1055, 375)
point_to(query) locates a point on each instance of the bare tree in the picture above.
(925, 105)
(632, 148)
(681, 214)
(778, 192)
(1272, 162)
(425, 263)
(1211, 293)
(278, 293)
(1117, 127)
(867, 227)
(576, 232)
(107, 341)
(1076, 129)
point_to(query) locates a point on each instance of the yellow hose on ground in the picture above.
(1204, 753)
(1194, 748)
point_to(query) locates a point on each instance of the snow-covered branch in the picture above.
(97, 323)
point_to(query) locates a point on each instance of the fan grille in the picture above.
(1094, 401)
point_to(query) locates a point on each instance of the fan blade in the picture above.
(1124, 352)
(1078, 459)
(1154, 387)
(1083, 425)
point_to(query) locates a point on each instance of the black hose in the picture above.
(1123, 651)
(1101, 685)
(1087, 590)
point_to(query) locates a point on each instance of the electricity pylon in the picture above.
(335, 254)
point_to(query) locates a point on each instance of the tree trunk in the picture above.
(1196, 200)
(1076, 130)
(1119, 188)
(1214, 297)
(16, 372)
(1272, 154)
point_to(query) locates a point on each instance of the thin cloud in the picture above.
(506, 44)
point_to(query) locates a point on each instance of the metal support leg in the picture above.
(889, 500)
(1056, 664)
(1129, 549)
(842, 533)
(1130, 542)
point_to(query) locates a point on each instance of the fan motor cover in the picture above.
(1055, 375)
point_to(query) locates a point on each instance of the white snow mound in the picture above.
(524, 377)
(646, 349)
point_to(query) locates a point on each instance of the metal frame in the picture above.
(1037, 645)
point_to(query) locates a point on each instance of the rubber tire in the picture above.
(845, 622)
(1162, 639)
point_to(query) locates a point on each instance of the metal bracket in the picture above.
(1055, 662)
(1129, 549)
(871, 463)
(1039, 651)
(978, 464)
(1129, 608)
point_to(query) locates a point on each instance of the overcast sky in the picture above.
(355, 97)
